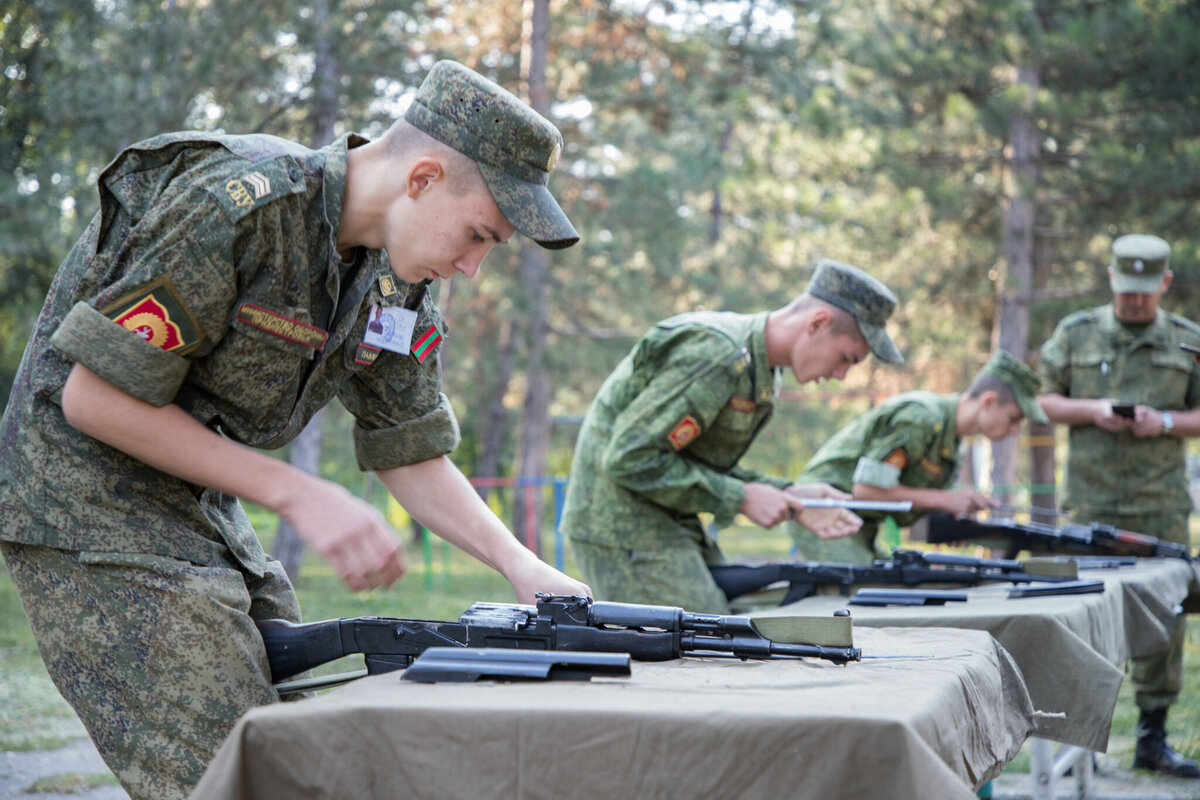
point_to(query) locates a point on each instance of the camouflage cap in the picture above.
(864, 298)
(1021, 379)
(1138, 263)
(515, 147)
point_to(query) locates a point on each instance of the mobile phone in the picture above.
(1123, 410)
(1191, 348)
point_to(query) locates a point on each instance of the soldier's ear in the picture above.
(422, 175)
(818, 320)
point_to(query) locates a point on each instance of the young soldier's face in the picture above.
(825, 355)
(438, 234)
(999, 420)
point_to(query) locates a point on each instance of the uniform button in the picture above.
(294, 174)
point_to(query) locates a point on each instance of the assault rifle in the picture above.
(904, 568)
(647, 633)
(1094, 537)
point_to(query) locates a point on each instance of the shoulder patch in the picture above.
(1079, 317)
(156, 313)
(684, 432)
(898, 458)
(257, 185)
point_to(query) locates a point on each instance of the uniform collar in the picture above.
(1154, 333)
(947, 443)
(764, 376)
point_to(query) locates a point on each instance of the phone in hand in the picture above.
(1123, 410)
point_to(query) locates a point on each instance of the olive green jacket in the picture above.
(909, 440)
(1091, 355)
(209, 279)
(662, 439)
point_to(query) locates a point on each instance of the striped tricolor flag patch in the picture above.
(424, 345)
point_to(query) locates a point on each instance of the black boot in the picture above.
(1154, 753)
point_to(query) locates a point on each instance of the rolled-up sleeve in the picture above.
(166, 290)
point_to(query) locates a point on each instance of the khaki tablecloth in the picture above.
(933, 726)
(1068, 648)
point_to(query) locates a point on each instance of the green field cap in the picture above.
(864, 298)
(1023, 382)
(1138, 263)
(515, 147)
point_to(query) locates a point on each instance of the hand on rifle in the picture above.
(765, 505)
(965, 502)
(826, 523)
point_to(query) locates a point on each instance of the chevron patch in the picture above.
(259, 184)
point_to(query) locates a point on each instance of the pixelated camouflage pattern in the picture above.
(661, 575)
(1138, 263)
(1092, 355)
(862, 296)
(159, 657)
(919, 423)
(630, 488)
(515, 147)
(167, 209)
(1022, 380)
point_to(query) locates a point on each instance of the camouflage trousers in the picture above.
(158, 657)
(664, 576)
(1158, 677)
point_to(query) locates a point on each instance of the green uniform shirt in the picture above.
(1094, 355)
(663, 436)
(909, 440)
(210, 279)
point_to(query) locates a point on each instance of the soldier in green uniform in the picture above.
(219, 298)
(1129, 471)
(662, 439)
(907, 449)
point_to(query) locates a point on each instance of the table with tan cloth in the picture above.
(937, 723)
(1069, 648)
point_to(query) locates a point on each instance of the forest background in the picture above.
(978, 156)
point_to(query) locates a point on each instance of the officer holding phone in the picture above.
(1125, 379)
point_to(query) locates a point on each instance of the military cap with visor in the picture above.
(515, 147)
(1021, 380)
(1138, 264)
(863, 297)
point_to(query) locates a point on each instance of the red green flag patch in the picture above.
(425, 344)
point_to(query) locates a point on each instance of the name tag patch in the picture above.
(285, 327)
(365, 354)
(743, 404)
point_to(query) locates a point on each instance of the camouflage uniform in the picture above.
(211, 279)
(662, 440)
(908, 439)
(1139, 484)
(660, 444)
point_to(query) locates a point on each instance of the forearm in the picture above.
(441, 498)
(925, 499)
(1071, 410)
(1187, 424)
(170, 440)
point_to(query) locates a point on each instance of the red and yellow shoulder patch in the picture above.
(684, 432)
(156, 313)
(898, 458)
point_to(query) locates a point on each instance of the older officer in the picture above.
(1128, 470)
(218, 299)
(906, 448)
(662, 439)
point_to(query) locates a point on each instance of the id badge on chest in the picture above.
(390, 328)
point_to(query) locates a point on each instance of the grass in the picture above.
(71, 783)
(441, 586)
